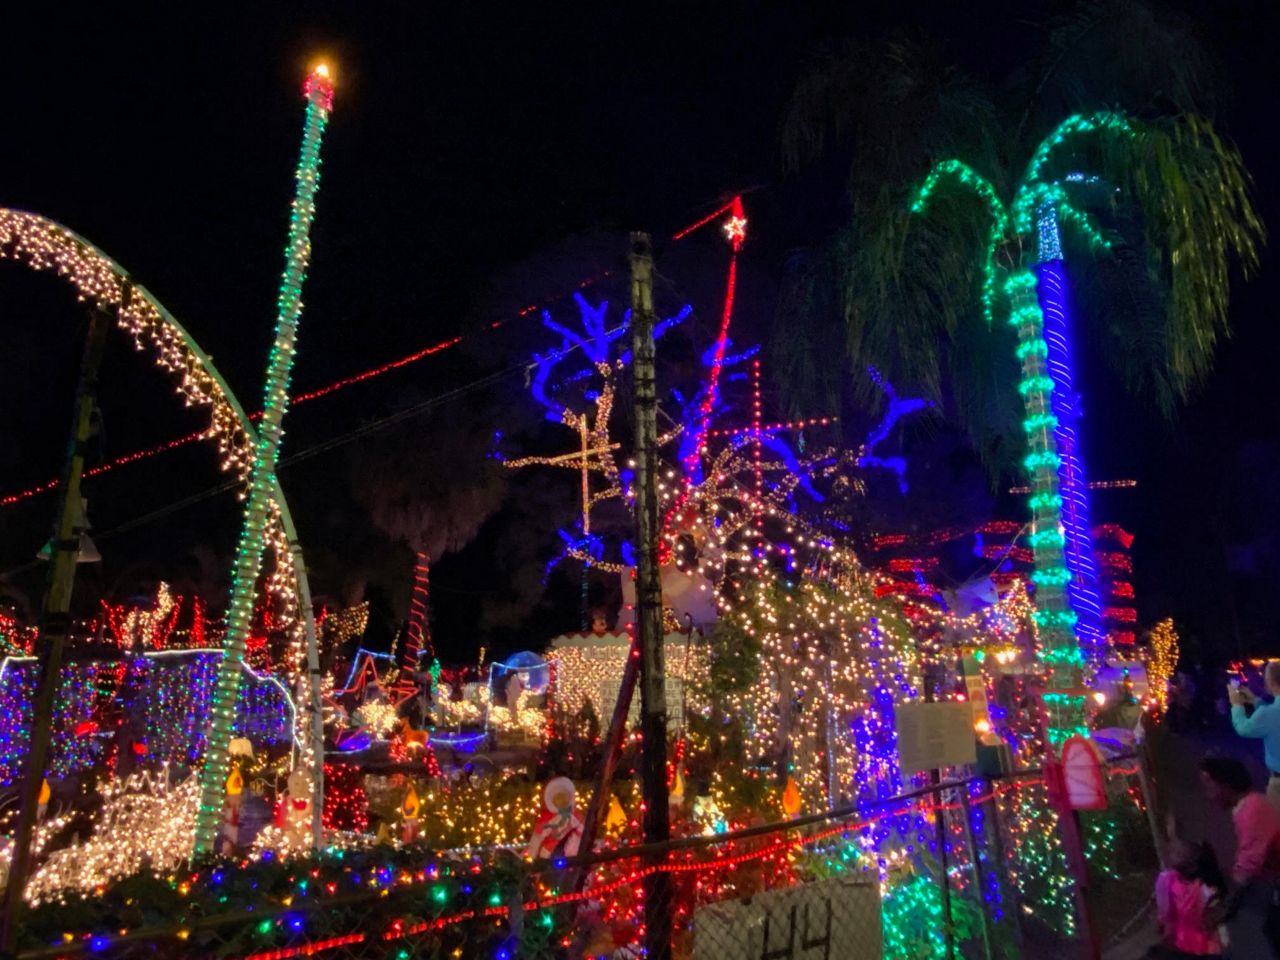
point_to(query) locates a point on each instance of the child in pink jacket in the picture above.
(1183, 894)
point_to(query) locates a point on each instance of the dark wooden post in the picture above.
(55, 619)
(653, 694)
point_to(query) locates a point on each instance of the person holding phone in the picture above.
(1262, 722)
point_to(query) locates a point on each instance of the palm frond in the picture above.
(1144, 57)
(822, 102)
(1191, 191)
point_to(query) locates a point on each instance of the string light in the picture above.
(1162, 661)
(253, 538)
(1077, 543)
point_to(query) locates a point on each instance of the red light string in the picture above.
(399, 930)
(734, 205)
(418, 634)
(773, 427)
(370, 374)
(308, 949)
(385, 368)
(735, 229)
(722, 342)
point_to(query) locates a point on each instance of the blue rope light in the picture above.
(1072, 485)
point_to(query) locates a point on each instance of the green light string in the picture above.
(248, 563)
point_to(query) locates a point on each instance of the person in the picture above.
(1184, 893)
(1262, 723)
(1250, 907)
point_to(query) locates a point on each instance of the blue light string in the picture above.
(1083, 589)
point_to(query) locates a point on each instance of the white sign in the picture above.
(933, 735)
(828, 920)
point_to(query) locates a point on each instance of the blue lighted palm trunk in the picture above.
(1053, 292)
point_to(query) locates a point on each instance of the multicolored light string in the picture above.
(319, 93)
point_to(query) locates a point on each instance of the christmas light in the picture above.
(1162, 661)
(1017, 228)
(253, 537)
(1077, 545)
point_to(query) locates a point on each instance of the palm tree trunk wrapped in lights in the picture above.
(319, 94)
(1190, 192)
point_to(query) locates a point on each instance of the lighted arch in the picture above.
(44, 245)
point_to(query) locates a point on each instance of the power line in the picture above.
(324, 446)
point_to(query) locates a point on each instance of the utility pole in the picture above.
(653, 695)
(586, 520)
(55, 619)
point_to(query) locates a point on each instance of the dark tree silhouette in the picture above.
(429, 484)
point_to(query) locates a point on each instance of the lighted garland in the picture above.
(253, 537)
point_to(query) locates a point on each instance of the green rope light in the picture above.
(1038, 347)
(1040, 384)
(1039, 421)
(248, 565)
(1042, 459)
(1046, 538)
(1054, 577)
(1104, 120)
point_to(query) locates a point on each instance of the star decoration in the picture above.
(735, 228)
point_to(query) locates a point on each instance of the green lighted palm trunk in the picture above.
(1054, 616)
(213, 775)
(1191, 193)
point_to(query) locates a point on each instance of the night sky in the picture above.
(467, 138)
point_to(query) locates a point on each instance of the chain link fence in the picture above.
(968, 868)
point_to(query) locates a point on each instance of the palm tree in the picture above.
(891, 110)
(1171, 188)
(1190, 191)
(432, 490)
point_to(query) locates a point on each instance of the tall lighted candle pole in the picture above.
(319, 93)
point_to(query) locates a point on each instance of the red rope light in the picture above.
(399, 929)
(149, 452)
(307, 949)
(734, 205)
